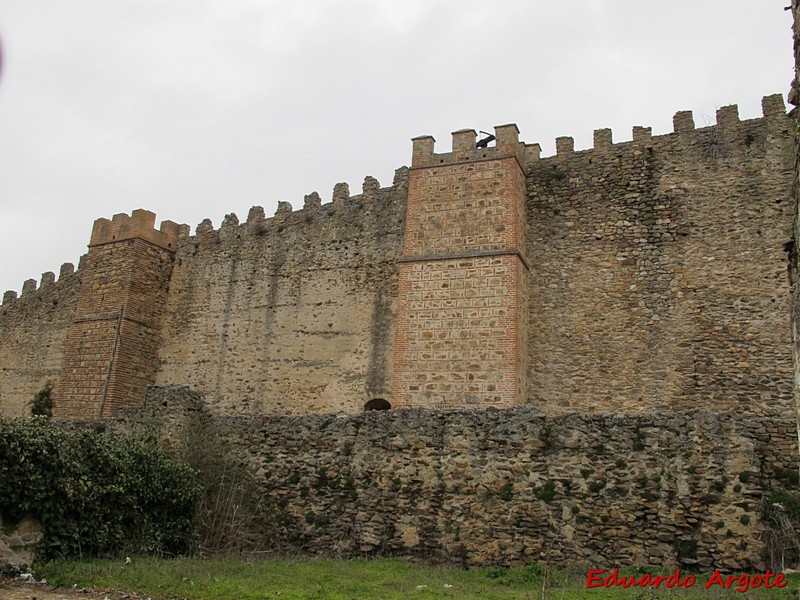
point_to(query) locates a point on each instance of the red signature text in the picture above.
(741, 583)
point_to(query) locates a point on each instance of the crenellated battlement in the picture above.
(464, 147)
(728, 122)
(140, 224)
(257, 222)
(464, 142)
(45, 283)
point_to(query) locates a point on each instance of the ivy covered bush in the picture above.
(95, 493)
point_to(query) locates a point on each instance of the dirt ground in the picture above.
(16, 589)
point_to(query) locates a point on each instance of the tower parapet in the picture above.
(140, 225)
(465, 148)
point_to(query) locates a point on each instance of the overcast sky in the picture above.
(198, 108)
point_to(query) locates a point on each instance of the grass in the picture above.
(385, 579)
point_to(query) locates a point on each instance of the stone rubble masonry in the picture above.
(33, 330)
(794, 255)
(110, 354)
(18, 542)
(462, 276)
(291, 314)
(505, 486)
(658, 274)
(631, 277)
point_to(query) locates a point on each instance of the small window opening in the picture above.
(377, 404)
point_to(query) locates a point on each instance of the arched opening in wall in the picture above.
(377, 404)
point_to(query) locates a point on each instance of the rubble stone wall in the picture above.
(794, 251)
(658, 270)
(33, 331)
(507, 486)
(291, 314)
(18, 543)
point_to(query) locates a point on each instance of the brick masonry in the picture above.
(111, 347)
(462, 276)
(627, 305)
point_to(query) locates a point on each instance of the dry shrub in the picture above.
(232, 506)
(782, 541)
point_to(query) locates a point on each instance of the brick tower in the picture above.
(462, 300)
(111, 348)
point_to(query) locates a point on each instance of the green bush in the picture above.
(547, 492)
(95, 493)
(507, 492)
(597, 485)
(42, 402)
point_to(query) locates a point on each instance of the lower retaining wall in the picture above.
(18, 542)
(509, 486)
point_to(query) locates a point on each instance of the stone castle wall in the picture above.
(645, 283)
(643, 276)
(658, 273)
(33, 330)
(794, 251)
(292, 314)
